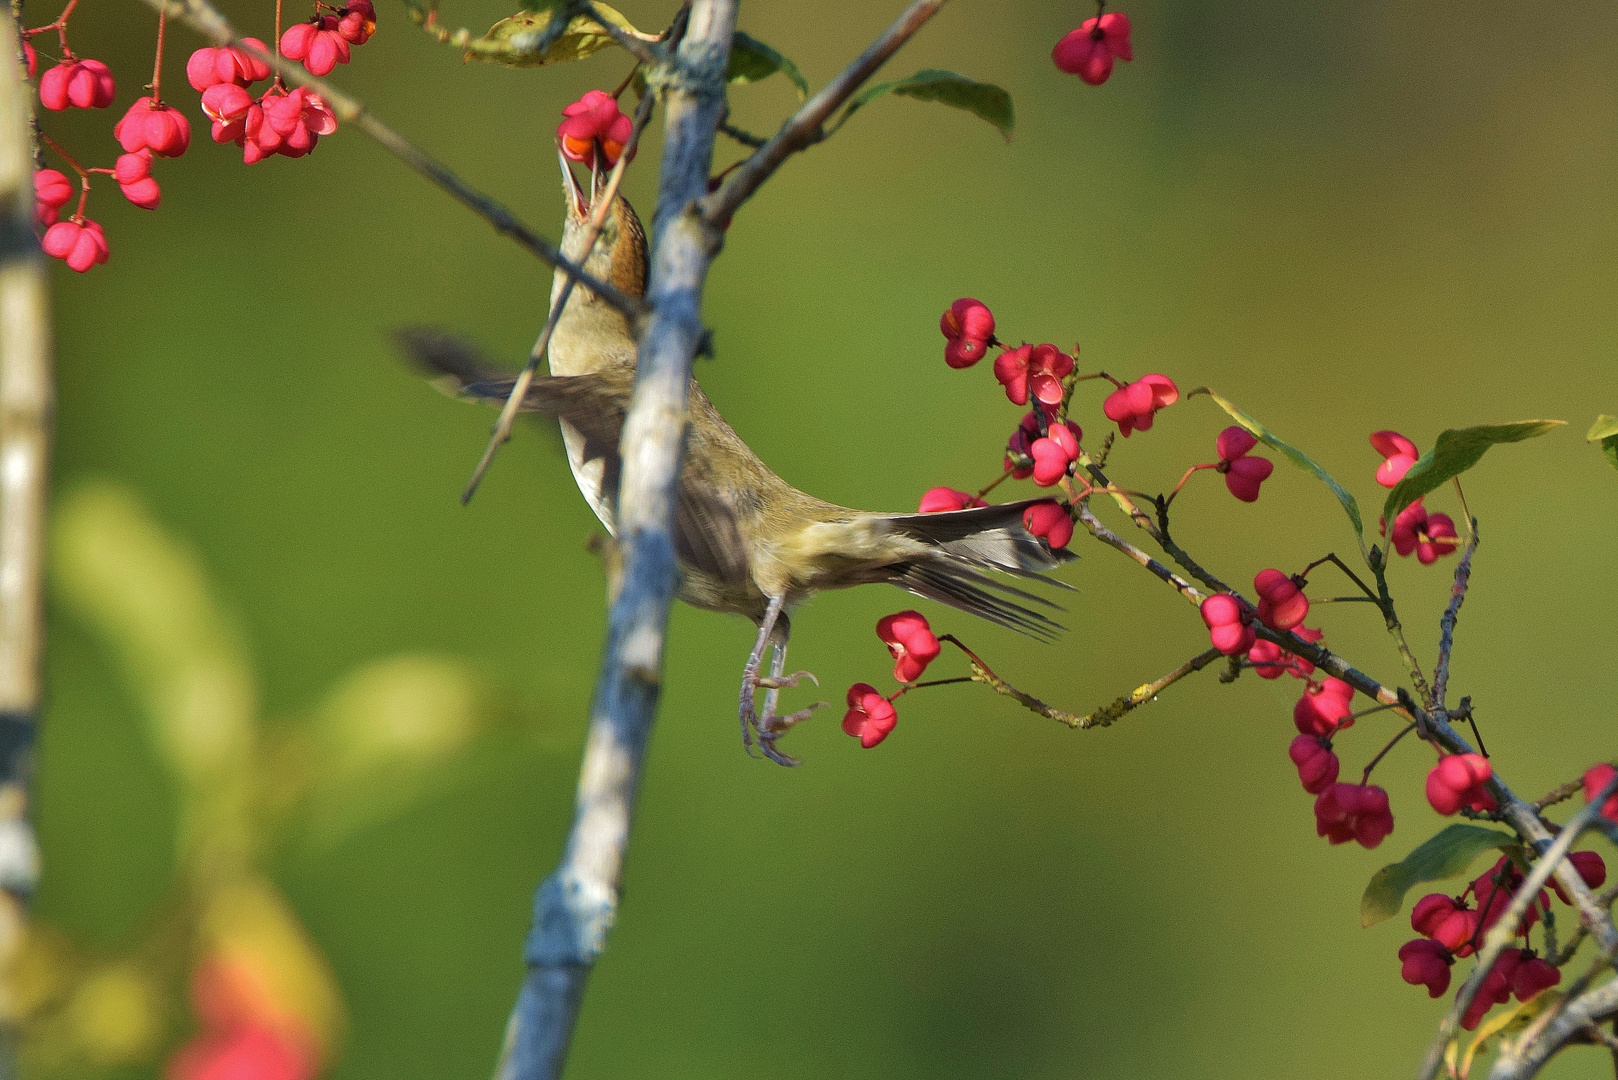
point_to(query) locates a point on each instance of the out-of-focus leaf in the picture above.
(1605, 432)
(530, 38)
(1456, 451)
(984, 100)
(382, 737)
(1445, 855)
(116, 1015)
(1294, 455)
(255, 950)
(147, 594)
(1502, 1024)
(752, 60)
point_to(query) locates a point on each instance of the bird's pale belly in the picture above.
(590, 475)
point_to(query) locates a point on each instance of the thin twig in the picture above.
(1505, 931)
(806, 126)
(204, 18)
(27, 400)
(592, 230)
(1446, 625)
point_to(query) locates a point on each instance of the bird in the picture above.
(746, 541)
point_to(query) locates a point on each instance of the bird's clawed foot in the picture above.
(771, 727)
(787, 682)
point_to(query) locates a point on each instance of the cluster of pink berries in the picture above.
(1089, 51)
(277, 122)
(1452, 928)
(594, 125)
(871, 716)
(323, 42)
(1429, 536)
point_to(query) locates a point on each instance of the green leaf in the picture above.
(1456, 451)
(537, 37)
(752, 60)
(1445, 855)
(1294, 455)
(147, 595)
(985, 100)
(1605, 431)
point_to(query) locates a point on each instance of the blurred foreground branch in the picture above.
(26, 403)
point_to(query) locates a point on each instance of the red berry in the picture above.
(1532, 976)
(144, 193)
(358, 22)
(1425, 963)
(83, 84)
(1228, 621)
(1325, 709)
(1317, 764)
(1133, 407)
(1089, 51)
(80, 246)
(594, 121)
(969, 326)
(1055, 453)
(1590, 867)
(942, 499)
(1457, 780)
(911, 641)
(52, 190)
(1281, 604)
(1358, 812)
(1035, 369)
(1596, 781)
(147, 125)
(1243, 474)
(870, 716)
(1398, 453)
(1049, 521)
(1429, 536)
(1495, 988)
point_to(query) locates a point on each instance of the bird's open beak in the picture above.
(577, 204)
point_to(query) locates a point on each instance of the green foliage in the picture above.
(1605, 431)
(1456, 451)
(752, 60)
(984, 100)
(1445, 855)
(1294, 455)
(535, 37)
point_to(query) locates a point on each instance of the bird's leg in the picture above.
(774, 629)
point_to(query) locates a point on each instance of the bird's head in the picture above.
(619, 254)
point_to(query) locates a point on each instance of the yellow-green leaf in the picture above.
(1445, 855)
(1507, 1023)
(1294, 455)
(1605, 431)
(984, 100)
(752, 60)
(1456, 451)
(538, 37)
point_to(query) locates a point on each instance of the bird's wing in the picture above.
(987, 536)
(706, 534)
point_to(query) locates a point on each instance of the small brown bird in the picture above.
(747, 541)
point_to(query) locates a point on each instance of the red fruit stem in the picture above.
(1183, 479)
(279, 85)
(60, 26)
(84, 174)
(157, 64)
(1406, 730)
(996, 482)
(903, 690)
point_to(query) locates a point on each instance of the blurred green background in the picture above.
(1345, 218)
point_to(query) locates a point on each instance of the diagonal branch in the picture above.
(204, 18)
(806, 126)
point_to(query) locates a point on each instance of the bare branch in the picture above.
(204, 18)
(806, 126)
(576, 905)
(27, 401)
